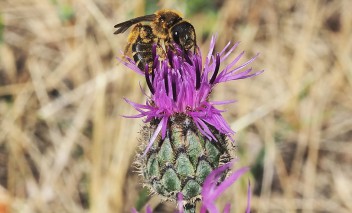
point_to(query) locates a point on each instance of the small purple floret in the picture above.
(212, 190)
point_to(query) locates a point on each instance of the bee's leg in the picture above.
(150, 66)
(127, 50)
(132, 38)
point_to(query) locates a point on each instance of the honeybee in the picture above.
(166, 27)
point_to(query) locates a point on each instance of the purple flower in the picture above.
(212, 190)
(181, 84)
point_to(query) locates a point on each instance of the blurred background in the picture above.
(64, 146)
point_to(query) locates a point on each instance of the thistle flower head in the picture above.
(181, 84)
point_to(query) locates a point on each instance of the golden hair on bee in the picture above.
(166, 27)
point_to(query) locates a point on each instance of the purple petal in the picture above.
(131, 65)
(211, 207)
(203, 209)
(211, 49)
(137, 106)
(133, 116)
(229, 52)
(200, 128)
(225, 48)
(227, 208)
(164, 125)
(254, 74)
(222, 102)
(212, 177)
(152, 139)
(206, 130)
(179, 202)
(149, 210)
(234, 61)
(229, 181)
(240, 75)
(245, 64)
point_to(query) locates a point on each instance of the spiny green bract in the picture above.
(182, 160)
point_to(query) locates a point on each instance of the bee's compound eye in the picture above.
(176, 37)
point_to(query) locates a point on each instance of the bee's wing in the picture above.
(122, 27)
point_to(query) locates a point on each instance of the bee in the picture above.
(166, 27)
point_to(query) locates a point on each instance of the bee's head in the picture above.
(184, 35)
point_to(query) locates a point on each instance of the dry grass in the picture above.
(65, 148)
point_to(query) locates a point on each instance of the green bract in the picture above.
(182, 160)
